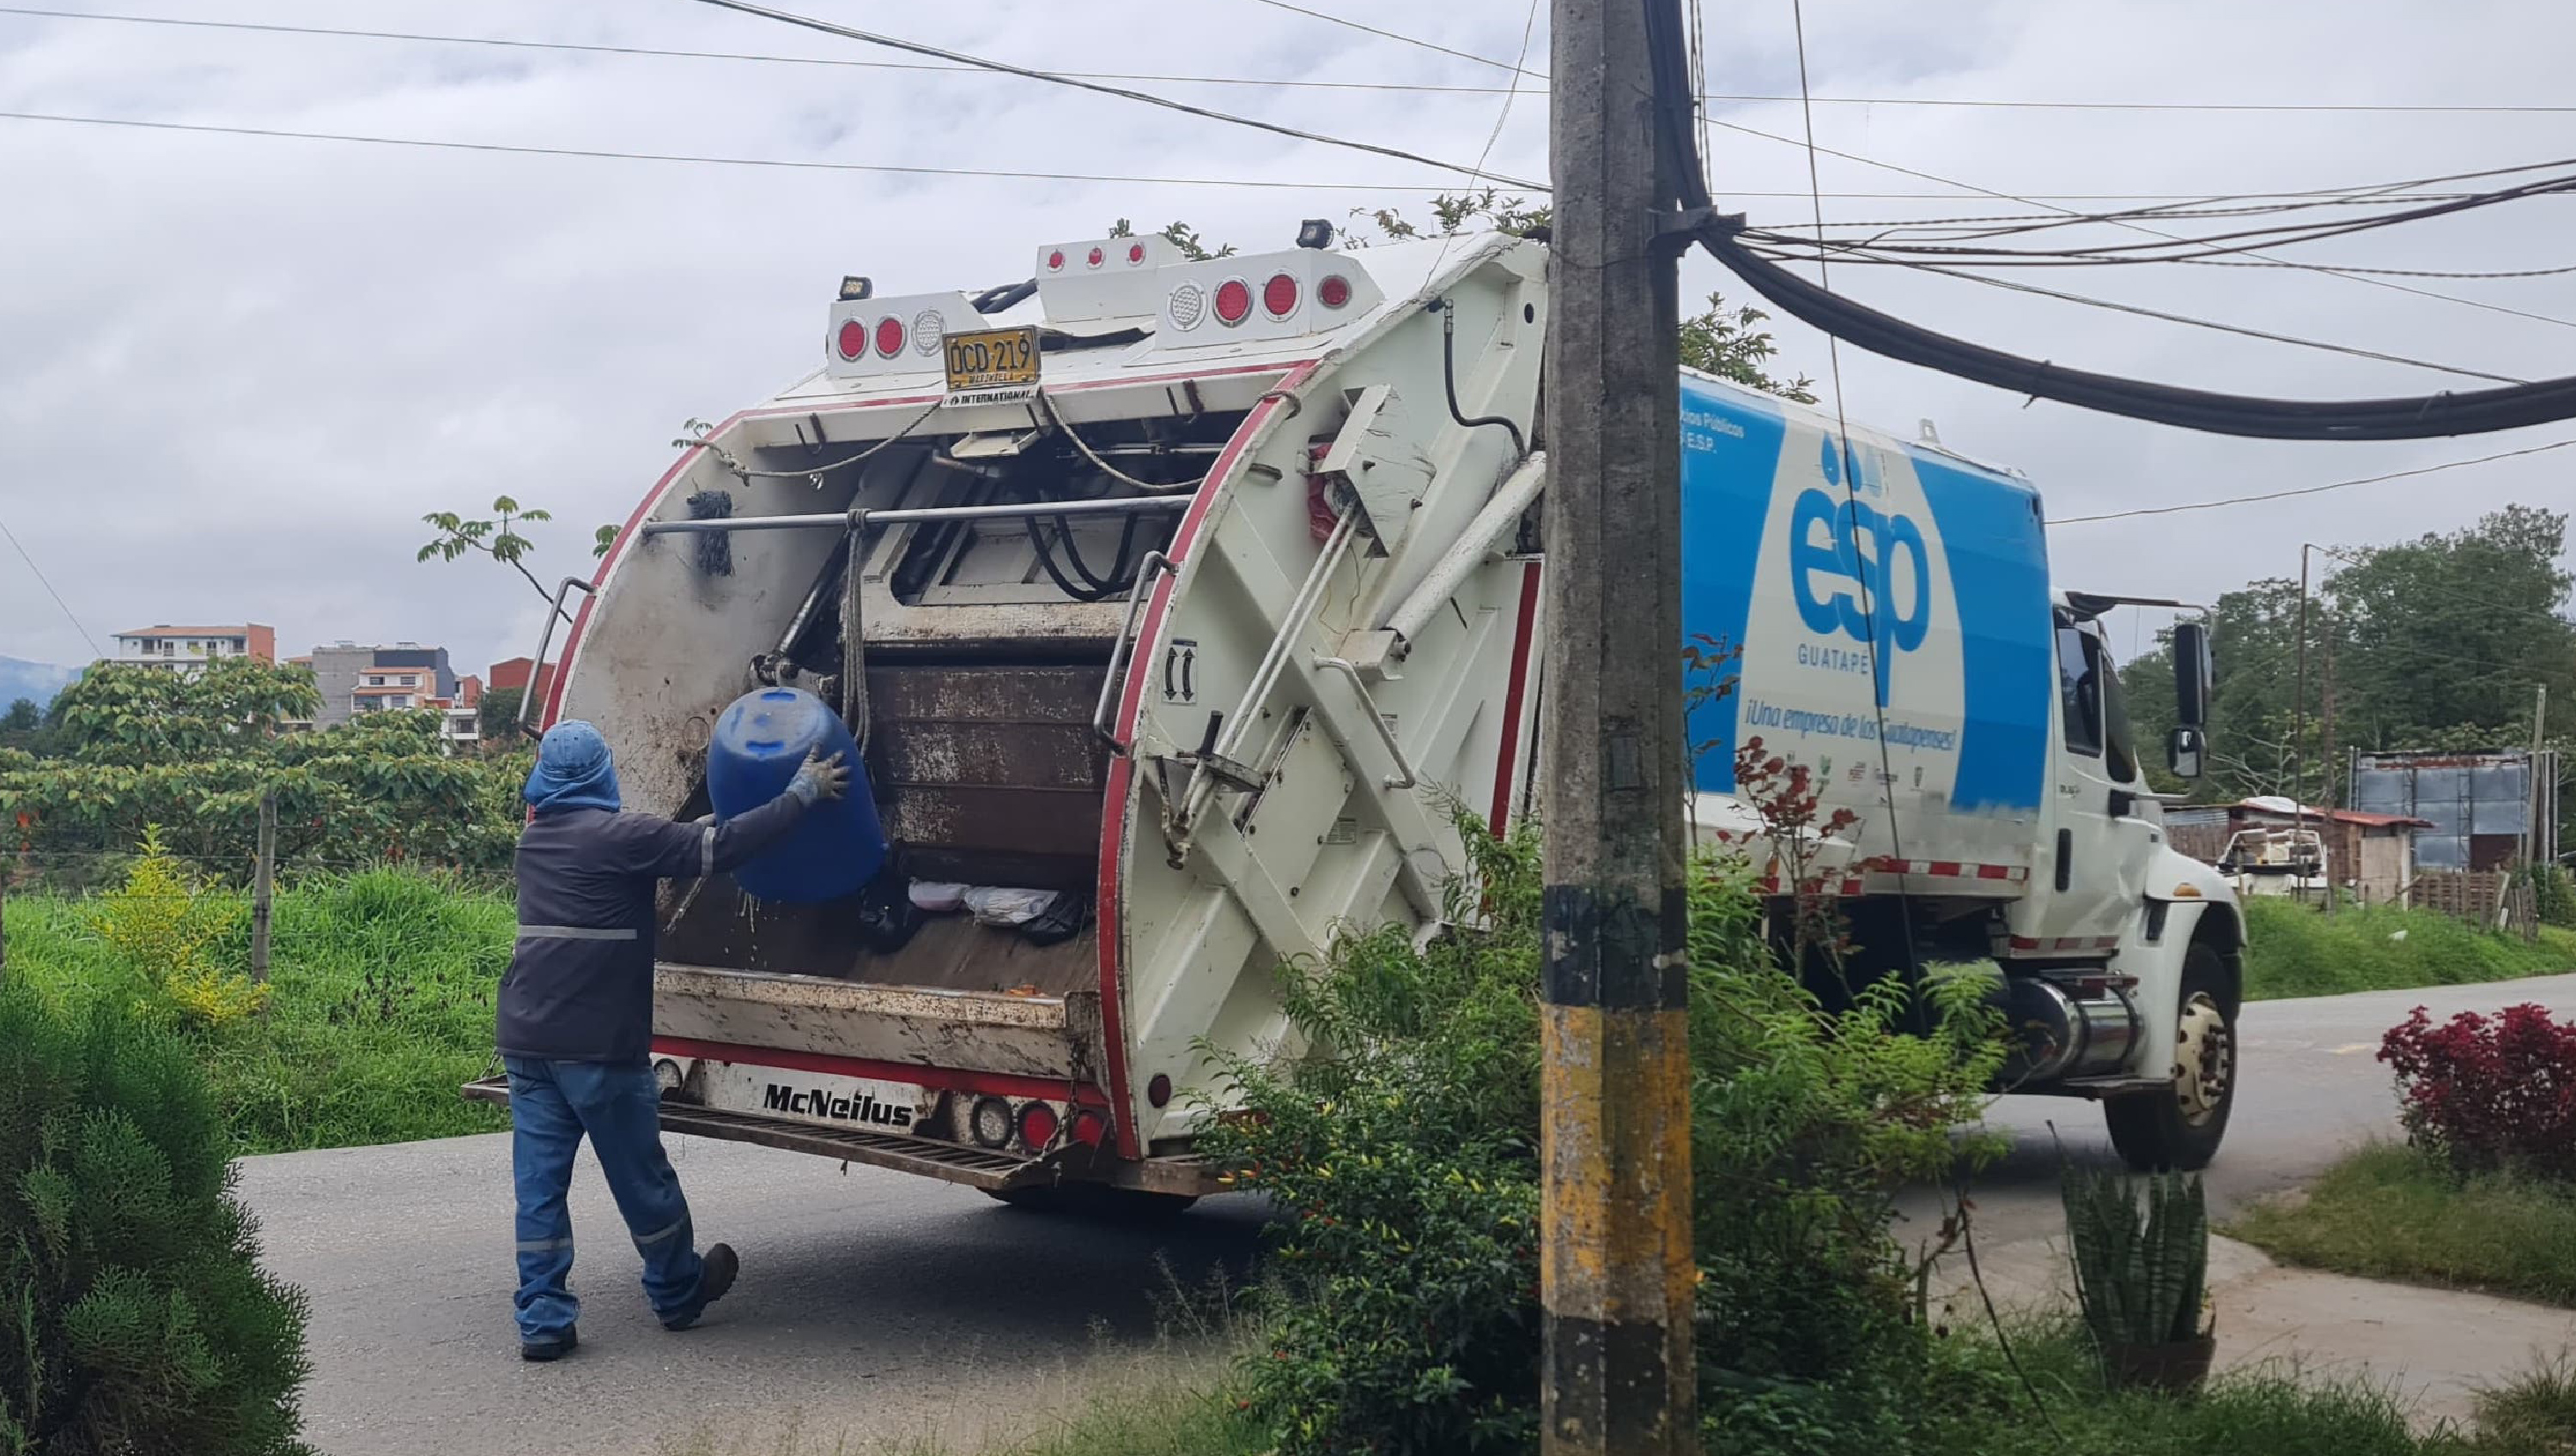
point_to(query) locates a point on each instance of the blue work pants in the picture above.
(552, 1106)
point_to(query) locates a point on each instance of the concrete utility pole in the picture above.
(1618, 1274)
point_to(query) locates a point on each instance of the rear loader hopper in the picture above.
(1173, 603)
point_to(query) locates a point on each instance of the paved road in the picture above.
(2312, 1085)
(881, 1303)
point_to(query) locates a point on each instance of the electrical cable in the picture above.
(2240, 240)
(47, 584)
(2407, 418)
(812, 472)
(1301, 83)
(2179, 318)
(2029, 201)
(848, 32)
(2239, 500)
(1529, 27)
(784, 163)
(994, 173)
(1103, 466)
(1933, 177)
(1449, 381)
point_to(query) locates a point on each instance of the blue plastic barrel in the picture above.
(758, 745)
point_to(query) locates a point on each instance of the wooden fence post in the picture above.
(263, 887)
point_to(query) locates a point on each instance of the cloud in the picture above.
(235, 371)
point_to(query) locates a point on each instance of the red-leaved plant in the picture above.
(2486, 1094)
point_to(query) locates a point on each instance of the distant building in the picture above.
(513, 674)
(2372, 856)
(356, 679)
(184, 649)
(462, 725)
(2482, 805)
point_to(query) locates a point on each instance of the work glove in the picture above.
(820, 779)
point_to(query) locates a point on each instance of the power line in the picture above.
(2310, 489)
(1933, 177)
(48, 585)
(1003, 173)
(788, 163)
(1397, 36)
(1280, 82)
(1801, 194)
(2202, 323)
(1053, 78)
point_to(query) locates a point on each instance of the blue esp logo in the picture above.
(1848, 586)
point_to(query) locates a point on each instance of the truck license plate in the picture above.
(817, 1097)
(993, 366)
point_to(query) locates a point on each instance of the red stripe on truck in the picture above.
(1115, 816)
(1507, 759)
(945, 1079)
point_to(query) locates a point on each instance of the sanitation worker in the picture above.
(576, 1022)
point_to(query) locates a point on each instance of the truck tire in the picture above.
(2180, 1129)
(1095, 1200)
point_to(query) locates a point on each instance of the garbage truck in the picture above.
(1175, 606)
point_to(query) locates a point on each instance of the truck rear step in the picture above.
(974, 1167)
(1183, 1175)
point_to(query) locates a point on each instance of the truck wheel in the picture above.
(1095, 1200)
(2180, 1129)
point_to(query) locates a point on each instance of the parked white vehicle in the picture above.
(1195, 590)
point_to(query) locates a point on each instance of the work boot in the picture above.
(546, 1352)
(715, 1275)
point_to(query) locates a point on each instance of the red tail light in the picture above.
(1334, 292)
(1279, 295)
(1037, 1126)
(1135, 254)
(889, 336)
(1098, 257)
(1055, 261)
(1090, 1128)
(853, 342)
(1233, 301)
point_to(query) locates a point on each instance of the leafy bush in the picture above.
(2489, 1094)
(136, 1315)
(160, 924)
(2553, 895)
(1406, 1317)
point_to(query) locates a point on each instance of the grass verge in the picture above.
(2388, 1212)
(2294, 950)
(1985, 1410)
(381, 1008)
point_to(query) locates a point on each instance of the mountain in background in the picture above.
(36, 680)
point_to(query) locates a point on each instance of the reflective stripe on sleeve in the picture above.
(707, 854)
(574, 932)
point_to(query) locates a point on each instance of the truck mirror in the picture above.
(2193, 674)
(2182, 752)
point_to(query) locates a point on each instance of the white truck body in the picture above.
(1310, 472)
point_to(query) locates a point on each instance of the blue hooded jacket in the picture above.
(580, 983)
(574, 770)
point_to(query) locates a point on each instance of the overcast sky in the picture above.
(234, 371)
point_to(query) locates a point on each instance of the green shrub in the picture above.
(1405, 1316)
(2293, 950)
(380, 1006)
(2553, 895)
(133, 1313)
